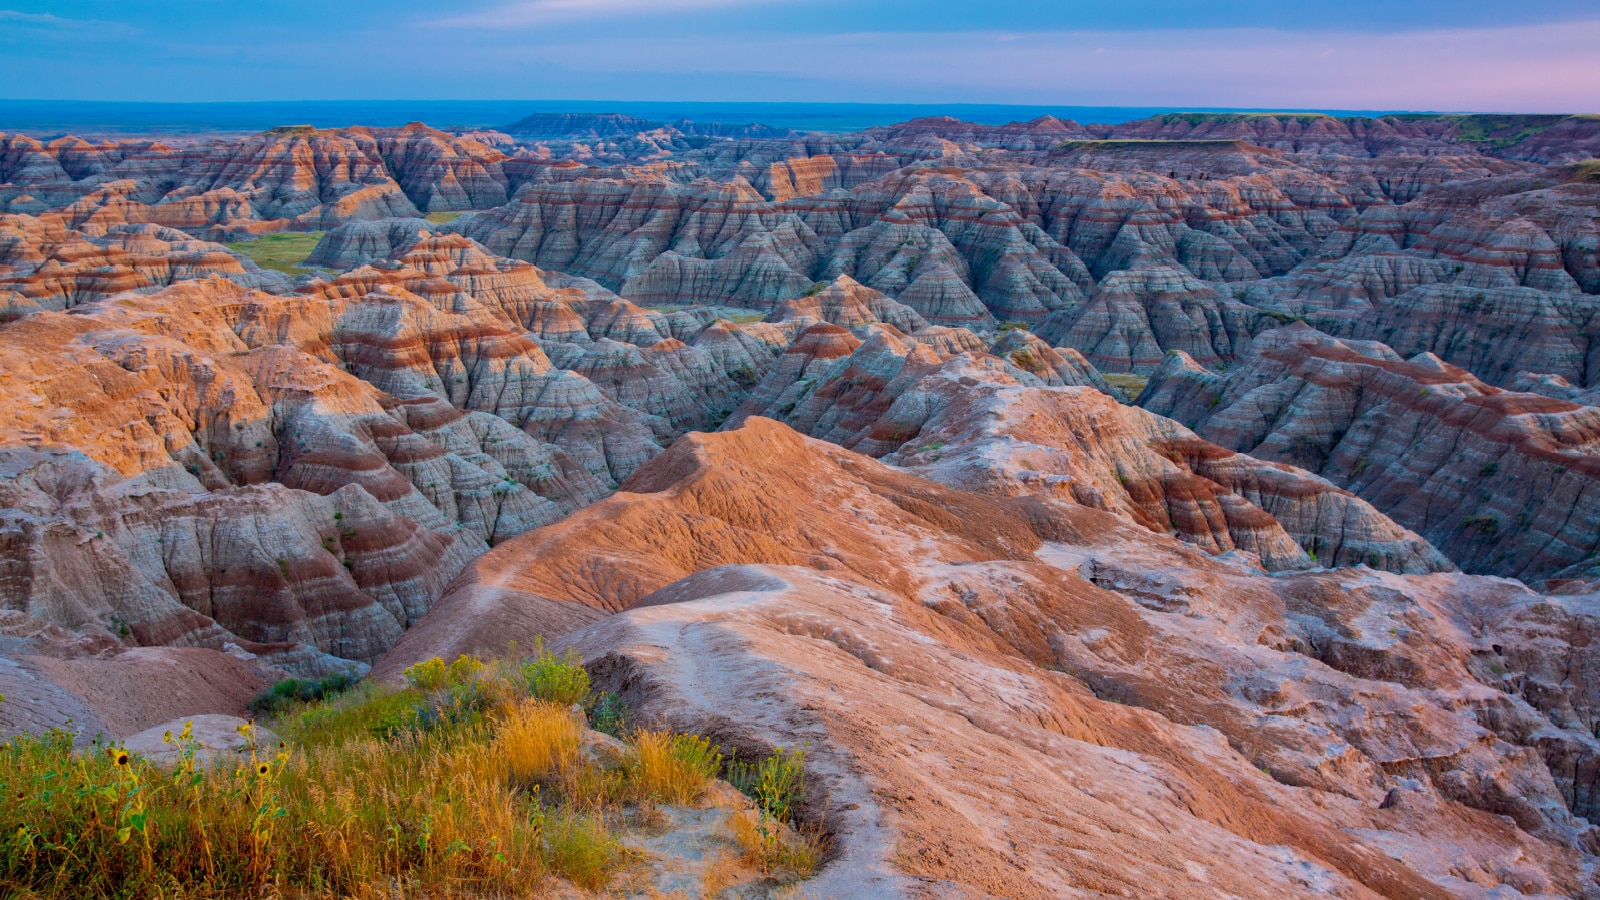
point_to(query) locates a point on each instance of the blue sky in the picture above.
(1528, 55)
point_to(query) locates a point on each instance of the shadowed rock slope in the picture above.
(1502, 481)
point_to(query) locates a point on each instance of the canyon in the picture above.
(1205, 505)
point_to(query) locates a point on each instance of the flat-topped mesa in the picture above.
(1545, 138)
(1036, 134)
(578, 125)
(1495, 479)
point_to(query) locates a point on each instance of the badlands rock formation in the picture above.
(1196, 726)
(1503, 481)
(777, 429)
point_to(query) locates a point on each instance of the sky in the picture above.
(1444, 55)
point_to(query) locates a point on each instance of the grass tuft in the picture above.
(540, 742)
(581, 849)
(774, 849)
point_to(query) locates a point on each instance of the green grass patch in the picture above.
(1588, 170)
(1132, 385)
(443, 218)
(1197, 118)
(741, 317)
(1136, 144)
(300, 690)
(1497, 132)
(284, 252)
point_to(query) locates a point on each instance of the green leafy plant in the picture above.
(558, 679)
(290, 691)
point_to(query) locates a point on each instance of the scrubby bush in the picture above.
(558, 679)
(776, 783)
(290, 691)
(608, 714)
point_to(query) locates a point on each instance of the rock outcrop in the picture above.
(987, 424)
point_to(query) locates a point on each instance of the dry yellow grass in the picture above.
(539, 742)
(772, 848)
(720, 874)
(669, 768)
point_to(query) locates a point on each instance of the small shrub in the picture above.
(428, 675)
(558, 679)
(777, 783)
(456, 694)
(773, 849)
(290, 691)
(608, 714)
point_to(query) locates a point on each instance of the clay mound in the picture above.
(771, 587)
(848, 303)
(44, 264)
(361, 243)
(1079, 445)
(116, 696)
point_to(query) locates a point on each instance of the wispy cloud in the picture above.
(48, 22)
(11, 15)
(542, 12)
